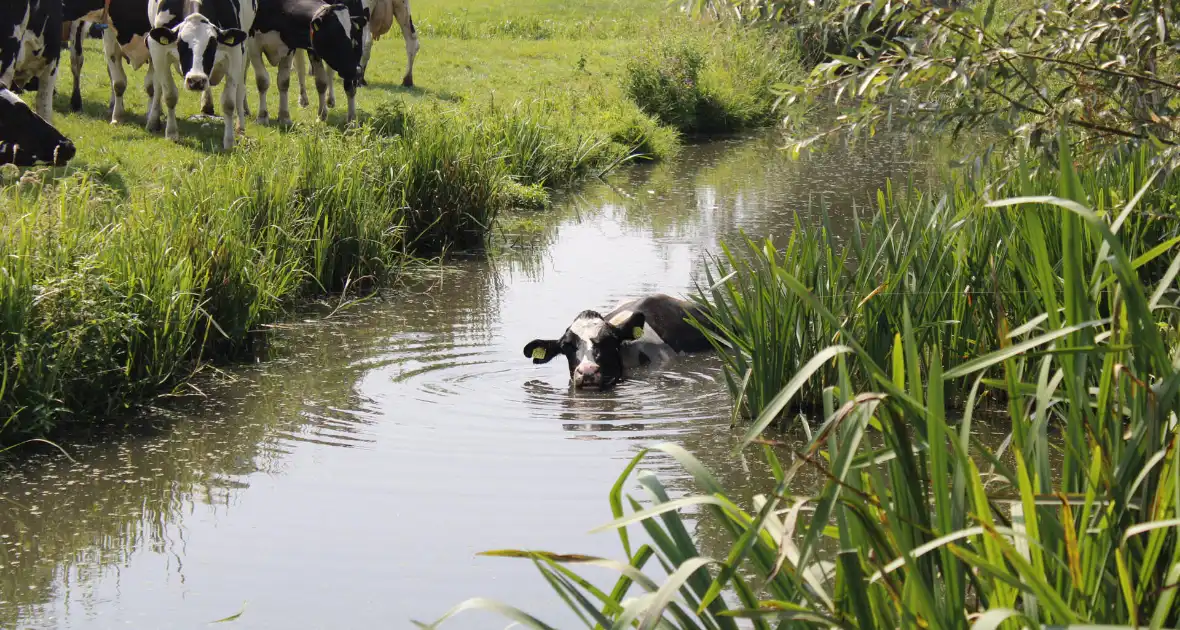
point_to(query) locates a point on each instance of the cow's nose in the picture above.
(64, 153)
(586, 374)
(196, 83)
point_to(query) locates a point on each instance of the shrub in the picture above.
(709, 81)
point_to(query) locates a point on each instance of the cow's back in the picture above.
(287, 17)
(667, 316)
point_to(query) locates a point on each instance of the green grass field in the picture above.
(469, 56)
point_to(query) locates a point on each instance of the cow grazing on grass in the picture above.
(26, 138)
(30, 47)
(330, 33)
(206, 40)
(380, 15)
(602, 349)
(124, 39)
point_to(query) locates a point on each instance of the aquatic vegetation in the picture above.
(965, 274)
(918, 523)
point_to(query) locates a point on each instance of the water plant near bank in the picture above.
(965, 273)
(918, 523)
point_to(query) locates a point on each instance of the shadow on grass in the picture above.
(397, 88)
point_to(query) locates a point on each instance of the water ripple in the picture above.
(487, 387)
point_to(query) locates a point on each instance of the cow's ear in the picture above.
(164, 36)
(231, 37)
(542, 350)
(632, 329)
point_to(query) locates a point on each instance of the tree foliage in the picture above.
(1019, 72)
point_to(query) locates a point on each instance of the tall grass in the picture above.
(716, 80)
(963, 272)
(919, 524)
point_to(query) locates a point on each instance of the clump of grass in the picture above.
(709, 80)
(916, 523)
(106, 299)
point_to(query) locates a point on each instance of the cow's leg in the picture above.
(366, 52)
(77, 33)
(230, 94)
(165, 89)
(321, 84)
(114, 56)
(207, 101)
(240, 94)
(331, 78)
(350, 92)
(47, 81)
(154, 114)
(301, 76)
(331, 86)
(261, 78)
(401, 10)
(285, 88)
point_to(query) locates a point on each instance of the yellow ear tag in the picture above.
(538, 353)
(637, 332)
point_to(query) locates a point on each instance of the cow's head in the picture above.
(593, 347)
(26, 138)
(336, 37)
(196, 40)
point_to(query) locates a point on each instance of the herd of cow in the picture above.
(208, 41)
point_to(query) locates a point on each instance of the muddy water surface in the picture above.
(350, 480)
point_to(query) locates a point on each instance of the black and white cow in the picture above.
(380, 16)
(330, 33)
(601, 349)
(26, 138)
(206, 40)
(30, 48)
(123, 40)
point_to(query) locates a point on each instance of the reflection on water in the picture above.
(350, 480)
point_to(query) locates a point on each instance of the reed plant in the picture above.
(918, 523)
(966, 273)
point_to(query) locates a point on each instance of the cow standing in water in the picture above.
(601, 349)
(330, 33)
(207, 39)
